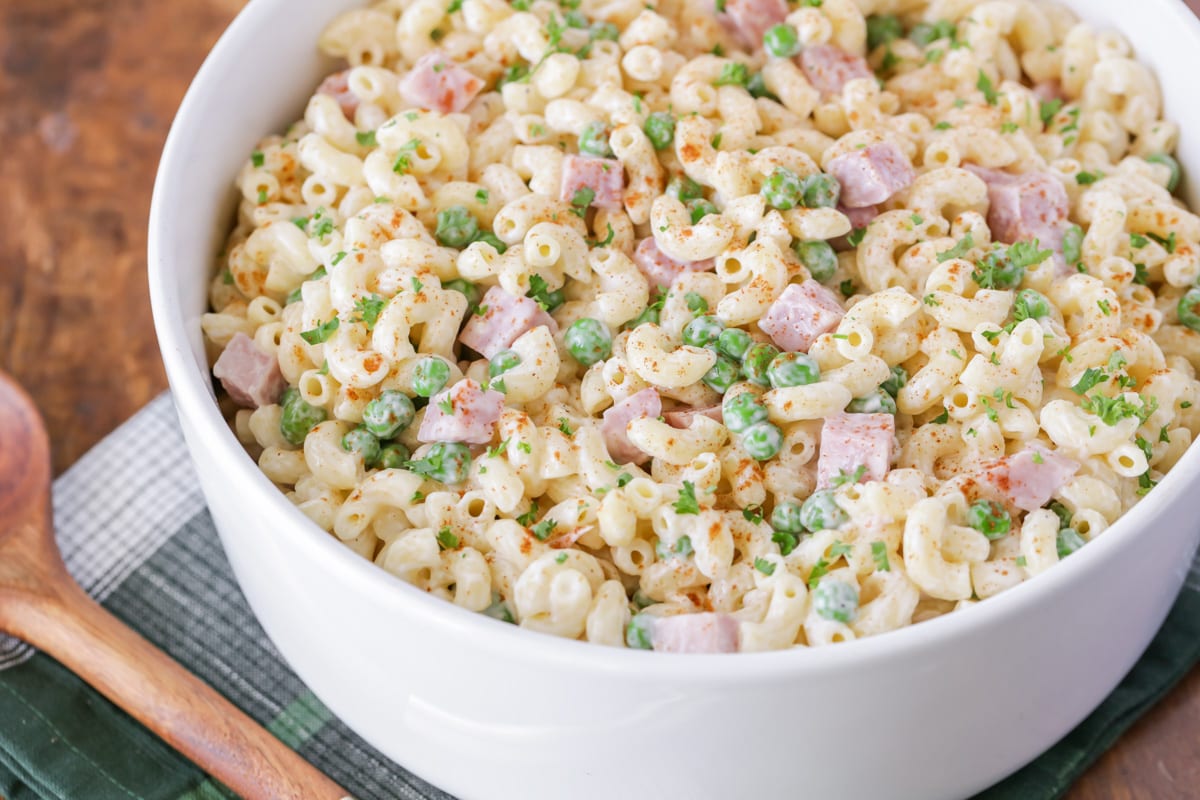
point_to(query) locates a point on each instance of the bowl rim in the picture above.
(192, 394)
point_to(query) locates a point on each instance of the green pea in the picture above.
(1068, 542)
(820, 190)
(703, 331)
(696, 303)
(883, 28)
(821, 511)
(498, 610)
(793, 369)
(593, 140)
(639, 632)
(1030, 304)
(444, 462)
(363, 442)
(786, 518)
(836, 600)
(817, 257)
(721, 375)
(456, 227)
(734, 342)
(683, 188)
(782, 189)
(604, 32)
(1172, 164)
(467, 290)
(502, 362)
(989, 518)
(877, 402)
(388, 414)
(298, 417)
(393, 455)
(1072, 244)
(781, 41)
(733, 73)
(1188, 308)
(894, 384)
(700, 209)
(588, 341)
(756, 362)
(741, 411)
(430, 376)
(660, 129)
(762, 440)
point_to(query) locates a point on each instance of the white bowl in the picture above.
(487, 710)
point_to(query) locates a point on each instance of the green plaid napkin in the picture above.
(135, 533)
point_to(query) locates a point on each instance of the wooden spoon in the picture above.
(42, 604)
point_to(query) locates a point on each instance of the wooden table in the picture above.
(88, 89)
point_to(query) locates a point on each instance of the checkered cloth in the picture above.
(134, 531)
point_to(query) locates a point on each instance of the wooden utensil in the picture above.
(41, 604)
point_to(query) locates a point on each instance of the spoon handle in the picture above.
(163, 696)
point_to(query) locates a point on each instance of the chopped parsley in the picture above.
(582, 198)
(856, 236)
(544, 528)
(764, 566)
(529, 516)
(984, 84)
(1087, 178)
(320, 333)
(1047, 109)
(1168, 243)
(446, 405)
(369, 308)
(402, 163)
(1091, 376)
(753, 514)
(686, 504)
(880, 556)
(365, 138)
(257, 158)
(446, 539)
(564, 426)
(959, 250)
(843, 478)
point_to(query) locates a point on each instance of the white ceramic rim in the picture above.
(193, 397)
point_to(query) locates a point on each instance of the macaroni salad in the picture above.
(706, 328)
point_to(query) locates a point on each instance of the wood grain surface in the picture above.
(87, 92)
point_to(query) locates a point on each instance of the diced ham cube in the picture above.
(659, 268)
(438, 84)
(829, 68)
(860, 217)
(1029, 479)
(682, 417)
(504, 318)
(851, 441)
(472, 421)
(872, 174)
(337, 86)
(750, 19)
(802, 313)
(695, 633)
(603, 177)
(250, 376)
(615, 427)
(1024, 207)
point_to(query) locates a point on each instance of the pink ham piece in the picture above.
(872, 174)
(860, 217)
(337, 86)
(802, 313)
(829, 68)
(750, 19)
(614, 428)
(682, 417)
(1046, 91)
(695, 633)
(850, 441)
(473, 420)
(1029, 479)
(504, 319)
(250, 376)
(1024, 207)
(438, 84)
(603, 176)
(659, 268)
